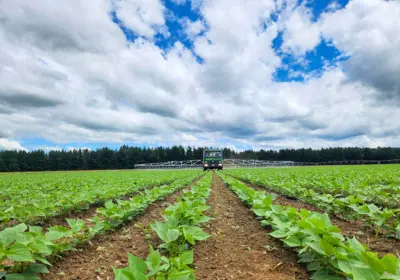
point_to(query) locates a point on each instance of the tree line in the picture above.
(126, 157)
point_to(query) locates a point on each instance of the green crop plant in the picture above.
(25, 250)
(179, 230)
(320, 245)
(351, 207)
(33, 198)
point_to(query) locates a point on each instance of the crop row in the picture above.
(26, 250)
(320, 245)
(37, 197)
(179, 230)
(352, 207)
(373, 184)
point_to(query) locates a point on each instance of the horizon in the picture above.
(271, 75)
(192, 148)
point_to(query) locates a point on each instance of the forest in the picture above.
(126, 157)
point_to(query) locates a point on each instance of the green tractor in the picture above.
(212, 159)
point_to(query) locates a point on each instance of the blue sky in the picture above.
(260, 74)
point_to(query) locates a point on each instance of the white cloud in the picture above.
(300, 34)
(48, 148)
(373, 43)
(69, 26)
(188, 137)
(142, 16)
(68, 74)
(193, 28)
(6, 144)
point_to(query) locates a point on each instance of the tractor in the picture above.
(212, 159)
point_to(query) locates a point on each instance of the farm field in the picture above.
(331, 222)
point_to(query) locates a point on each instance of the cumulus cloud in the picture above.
(192, 28)
(300, 34)
(373, 43)
(142, 16)
(48, 148)
(6, 144)
(68, 74)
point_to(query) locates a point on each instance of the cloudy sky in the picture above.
(236, 73)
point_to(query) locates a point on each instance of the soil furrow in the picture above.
(95, 260)
(357, 228)
(239, 247)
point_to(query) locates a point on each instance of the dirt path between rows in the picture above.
(95, 260)
(363, 233)
(239, 248)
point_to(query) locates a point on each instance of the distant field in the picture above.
(29, 196)
(325, 222)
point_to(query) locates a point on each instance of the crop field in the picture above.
(331, 222)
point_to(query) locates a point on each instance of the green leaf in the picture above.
(35, 229)
(172, 235)
(8, 235)
(172, 221)
(292, 241)
(38, 268)
(355, 245)
(15, 276)
(58, 232)
(43, 260)
(180, 275)
(20, 253)
(278, 234)
(324, 275)
(317, 221)
(193, 233)
(153, 260)
(317, 247)
(390, 263)
(40, 247)
(204, 219)
(20, 228)
(364, 273)
(186, 257)
(314, 266)
(165, 233)
(109, 205)
(137, 263)
(374, 262)
(76, 224)
(345, 266)
(126, 274)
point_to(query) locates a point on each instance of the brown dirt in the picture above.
(95, 260)
(239, 248)
(363, 233)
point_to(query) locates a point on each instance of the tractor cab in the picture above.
(212, 159)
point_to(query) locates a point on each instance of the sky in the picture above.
(243, 74)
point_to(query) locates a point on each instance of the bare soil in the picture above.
(95, 260)
(239, 247)
(358, 229)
